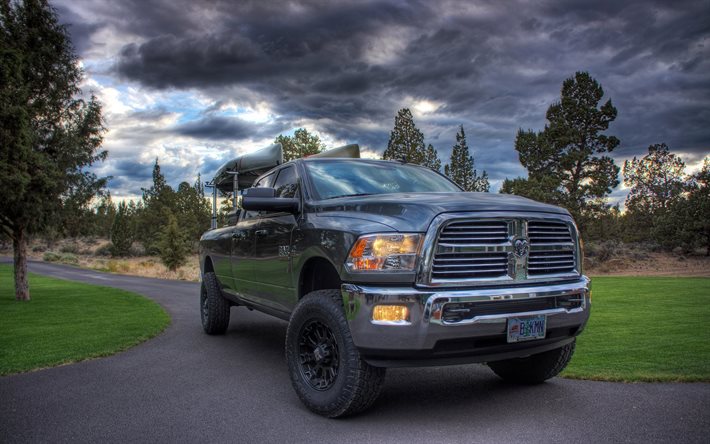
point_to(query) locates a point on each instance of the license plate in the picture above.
(526, 328)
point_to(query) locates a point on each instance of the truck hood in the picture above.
(414, 212)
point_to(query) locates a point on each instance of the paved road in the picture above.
(185, 386)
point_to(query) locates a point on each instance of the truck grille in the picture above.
(472, 251)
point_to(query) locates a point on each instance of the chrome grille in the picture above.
(548, 232)
(470, 265)
(501, 249)
(474, 232)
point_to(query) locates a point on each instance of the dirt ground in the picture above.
(656, 264)
(87, 253)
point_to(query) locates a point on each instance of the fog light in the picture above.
(390, 313)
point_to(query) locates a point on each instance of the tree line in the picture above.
(406, 143)
(51, 136)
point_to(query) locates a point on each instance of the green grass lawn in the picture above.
(67, 322)
(646, 329)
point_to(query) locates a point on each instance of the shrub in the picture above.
(69, 248)
(62, 258)
(118, 266)
(136, 250)
(104, 250)
(50, 256)
(68, 258)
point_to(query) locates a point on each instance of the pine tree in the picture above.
(105, 213)
(657, 182)
(172, 244)
(431, 158)
(462, 167)
(121, 232)
(157, 199)
(566, 161)
(48, 134)
(302, 144)
(406, 141)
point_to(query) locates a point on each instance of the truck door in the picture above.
(273, 248)
(243, 248)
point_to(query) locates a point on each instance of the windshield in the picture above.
(339, 178)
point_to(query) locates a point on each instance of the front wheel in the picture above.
(325, 367)
(534, 369)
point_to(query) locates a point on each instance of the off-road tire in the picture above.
(214, 308)
(356, 384)
(534, 369)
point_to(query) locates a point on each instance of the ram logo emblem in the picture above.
(520, 248)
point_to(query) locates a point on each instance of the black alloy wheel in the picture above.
(318, 355)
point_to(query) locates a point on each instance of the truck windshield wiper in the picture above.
(349, 195)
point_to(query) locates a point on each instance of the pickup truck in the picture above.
(378, 264)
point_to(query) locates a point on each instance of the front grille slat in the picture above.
(469, 265)
(542, 262)
(474, 233)
(548, 232)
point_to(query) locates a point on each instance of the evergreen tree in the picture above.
(192, 210)
(172, 244)
(431, 158)
(121, 231)
(157, 199)
(566, 161)
(105, 213)
(406, 141)
(657, 182)
(49, 136)
(462, 168)
(687, 221)
(302, 144)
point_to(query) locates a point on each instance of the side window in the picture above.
(287, 183)
(265, 181)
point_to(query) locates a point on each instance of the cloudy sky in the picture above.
(197, 82)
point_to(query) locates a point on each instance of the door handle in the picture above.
(261, 232)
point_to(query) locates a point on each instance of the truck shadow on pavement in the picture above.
(421, 392)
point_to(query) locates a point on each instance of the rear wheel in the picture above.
(214, 308)
(325, 367)
(534, 369)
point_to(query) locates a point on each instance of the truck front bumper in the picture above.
(460, 326)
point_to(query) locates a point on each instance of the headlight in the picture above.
(386, 252)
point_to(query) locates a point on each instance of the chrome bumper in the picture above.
(425, 326)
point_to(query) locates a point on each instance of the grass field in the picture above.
(646, 329)
(67, 322)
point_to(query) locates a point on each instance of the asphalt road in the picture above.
(185, 386)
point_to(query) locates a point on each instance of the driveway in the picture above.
(185, 386)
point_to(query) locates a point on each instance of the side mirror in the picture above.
(264, 199)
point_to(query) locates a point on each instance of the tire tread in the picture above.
(218, 318)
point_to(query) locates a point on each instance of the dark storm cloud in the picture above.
(492, 66)
(214, 127)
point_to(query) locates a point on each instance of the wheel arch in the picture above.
(207, 266)
(318, 273)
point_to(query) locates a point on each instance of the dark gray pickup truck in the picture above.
(378, 264)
